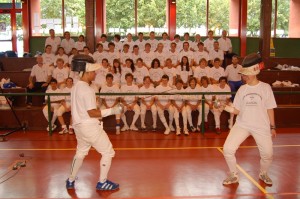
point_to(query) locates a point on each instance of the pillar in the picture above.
(265, 30)
(89, 23)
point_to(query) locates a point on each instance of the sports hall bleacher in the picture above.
(147, 164)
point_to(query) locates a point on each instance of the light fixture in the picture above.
(173, 1)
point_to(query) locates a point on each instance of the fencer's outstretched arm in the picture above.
(95, 113)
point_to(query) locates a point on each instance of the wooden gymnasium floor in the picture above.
(148, 165)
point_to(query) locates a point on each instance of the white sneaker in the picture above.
(167, 131)
(265, 178)
(186, 132)
(231, 179)
(64, 130)
(125, 128)
(133, 128)
(171, 128)
(53, 127)
(178, 131)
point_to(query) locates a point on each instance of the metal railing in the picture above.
(202, 94)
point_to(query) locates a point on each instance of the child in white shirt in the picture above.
(148, 103)
(163, 103)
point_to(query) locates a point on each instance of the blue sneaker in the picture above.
(107, 186)
(70, 185)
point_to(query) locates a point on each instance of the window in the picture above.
(75, 16)
(48, 14)
(218, 16)
(120, 17)
(253, 18)
(191, 17)
(283, 17)
(151, 16)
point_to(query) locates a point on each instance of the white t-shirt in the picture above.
(97, 56)
(193, 99)
(124, 56)
(141, 44)
(253, 102)
(118, 46)
(200, 72)
(68, 45)
(216, 54)
(184, 74)
(48, 59)
(173, 56)
(178, 45)
(117, 78)
(64, 57)
(178, 99)
(222, 97)
(139, 74)
(83, 99)
(166, 44)
(210, 88)
(156, 74)
(111, 56)
(53, 42)
(148, 57)
(209, 44)
(70, 59)
(105, 45)
(135, 57)
(131, 44)
(67, 97)
(54, 97)
(40, 73)
(189, 54)
(161, 56)
(125, 70)
(216, 73)
(171, 72)
(225, 44)
(190, 43)
(75, 76)
(232, 73)
(79, 45)
(60, 74)
(163, 99)
(200, 55)
(147, 98)
(110, 100)
(129, 89)
(153, 43)
(101, 75)
(194, 45)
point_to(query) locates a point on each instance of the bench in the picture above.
(17, 63)
(34, 119)
(270, 76)
(287, 115)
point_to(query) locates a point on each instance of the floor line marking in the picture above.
(250, 178)
(133, 149)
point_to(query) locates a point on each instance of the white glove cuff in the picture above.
(106, 112)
